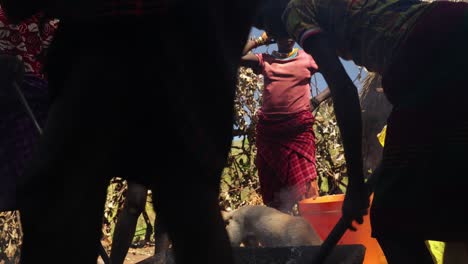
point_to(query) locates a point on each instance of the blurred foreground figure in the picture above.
(27, 42)
(420, 50)
(111, 99)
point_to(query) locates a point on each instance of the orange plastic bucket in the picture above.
(325, 211)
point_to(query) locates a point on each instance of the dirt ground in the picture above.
(136, 255)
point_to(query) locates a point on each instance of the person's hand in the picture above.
(356, 203)
(264, 39)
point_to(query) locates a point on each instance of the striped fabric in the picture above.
(285, 157)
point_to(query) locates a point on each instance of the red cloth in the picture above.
(287, 82)
(27, 40)
(285, 155)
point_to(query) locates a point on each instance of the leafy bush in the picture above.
(10, 238)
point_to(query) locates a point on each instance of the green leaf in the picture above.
(245, 193)
(324, 186)
(227, 179)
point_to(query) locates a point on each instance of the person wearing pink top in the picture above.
(285, 137)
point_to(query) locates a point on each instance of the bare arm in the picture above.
(250, 45)
(249, 59)
(348, 114)
(319, 98)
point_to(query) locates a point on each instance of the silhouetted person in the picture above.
(122, 72)
(28, 41)
(419, 48)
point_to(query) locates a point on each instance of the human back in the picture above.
(426, 68)
(367, 32)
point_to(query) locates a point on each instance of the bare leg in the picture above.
(124, 232)
(193, 240)
(161, 240)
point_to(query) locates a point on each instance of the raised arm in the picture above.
(249, 59)
(348, 114)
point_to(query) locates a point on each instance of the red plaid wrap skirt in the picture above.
(285, 155)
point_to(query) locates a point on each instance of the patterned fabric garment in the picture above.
(27, 40)
(18, 136)
(285, 156)
(365, 31)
